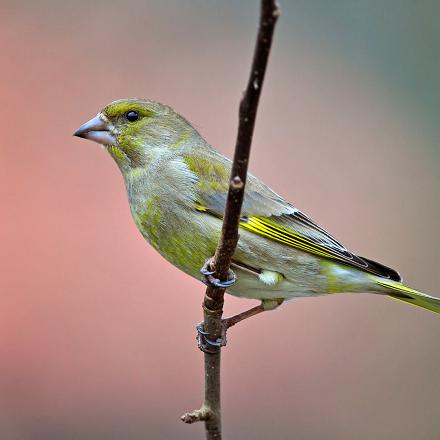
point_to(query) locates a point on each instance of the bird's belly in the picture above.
(187, 240)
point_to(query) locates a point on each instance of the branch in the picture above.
(214, 297)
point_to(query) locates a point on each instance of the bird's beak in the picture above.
(98, 129)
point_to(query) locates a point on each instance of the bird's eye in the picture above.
(132, 116)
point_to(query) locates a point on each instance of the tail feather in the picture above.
(411, 296)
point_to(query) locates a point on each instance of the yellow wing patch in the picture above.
(270, 229)
(200, 208)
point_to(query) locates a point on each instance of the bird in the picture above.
(177, 185)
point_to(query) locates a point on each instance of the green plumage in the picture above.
(177, 186)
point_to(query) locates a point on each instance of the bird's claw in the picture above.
(215, 282)
(211, 281)
(207, 345)
(206, 269)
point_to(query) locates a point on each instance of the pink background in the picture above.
(97, 330)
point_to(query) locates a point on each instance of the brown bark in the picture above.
(210, 412)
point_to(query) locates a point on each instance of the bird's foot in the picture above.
(207, 345)
(209, 279)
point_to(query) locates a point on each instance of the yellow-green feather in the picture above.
(170, 236)
(212, 177)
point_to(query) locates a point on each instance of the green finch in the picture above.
(177, 185)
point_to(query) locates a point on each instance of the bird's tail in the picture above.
(398, 291)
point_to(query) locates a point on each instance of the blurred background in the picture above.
(97, 337)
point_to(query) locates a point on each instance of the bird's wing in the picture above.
(267, 214)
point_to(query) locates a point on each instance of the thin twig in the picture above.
(210, 412)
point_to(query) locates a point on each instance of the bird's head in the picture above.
(135, 131)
